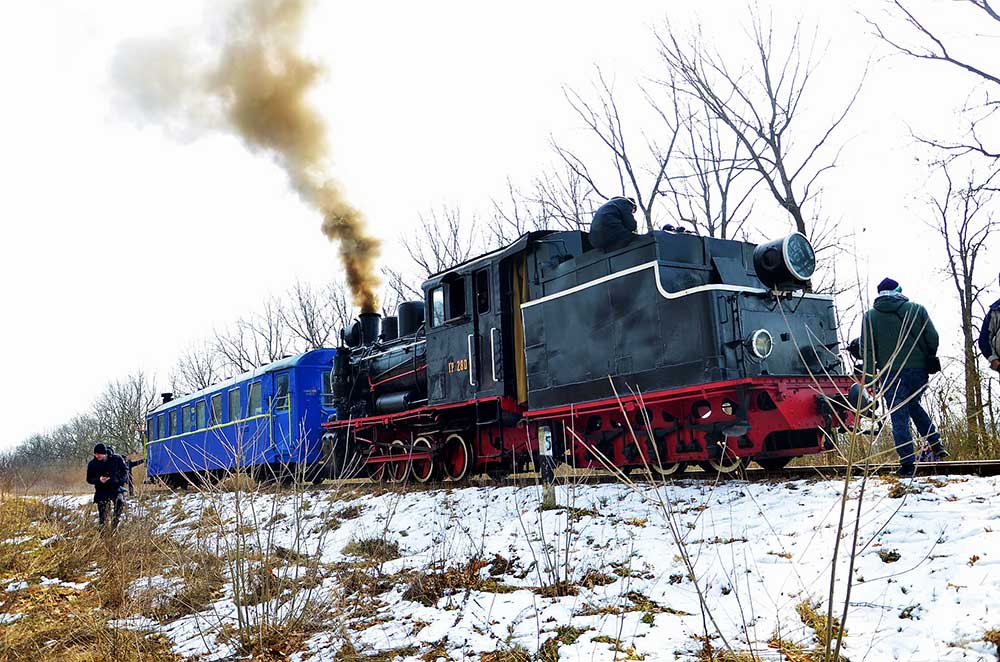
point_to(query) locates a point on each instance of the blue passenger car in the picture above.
(269, 417)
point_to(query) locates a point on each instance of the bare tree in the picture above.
(705, 192)
(604, 119)
(513, 217)
(399, 287)
(342, 303)
(443, 240)
(925, 42)
(965, 221)
(120, 411)
(254, 341)
(198, 367)
(759, 102)
(310, 315)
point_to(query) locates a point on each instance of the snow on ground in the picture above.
(926, 577)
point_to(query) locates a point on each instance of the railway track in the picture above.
(592, 477)
(821, 472)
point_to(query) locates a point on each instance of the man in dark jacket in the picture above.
(108, 474)
(129, 465)
(898, 342)
(614, 224)
(989, 336)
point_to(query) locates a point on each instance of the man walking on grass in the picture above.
(109, 475)
(899, 346)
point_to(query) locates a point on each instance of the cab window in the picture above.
(216, 409)
(254, 407)
(200, 418)
(437, 306)
(456, 299)
(234, 404)
(281, 392)
(483, 291)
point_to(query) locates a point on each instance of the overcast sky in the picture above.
(122, 244)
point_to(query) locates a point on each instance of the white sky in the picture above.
(120, 245)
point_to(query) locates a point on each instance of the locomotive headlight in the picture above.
(761, 343)
(785, 263)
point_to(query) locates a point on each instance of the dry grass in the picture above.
(64, 622)
(428, 588)
(992, 636)
(593, 578)
(813, 618)
(47, 479)
(564, 635)
(348, 653)
(379, 550)
(511, 654)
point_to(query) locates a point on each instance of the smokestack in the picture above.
(166, 397)
(371, 327)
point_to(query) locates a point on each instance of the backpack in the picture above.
(113, 456)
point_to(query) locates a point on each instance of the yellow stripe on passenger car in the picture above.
(214, 427)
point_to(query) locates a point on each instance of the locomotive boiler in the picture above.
(674, 349)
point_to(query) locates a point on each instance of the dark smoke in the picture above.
(260, 83)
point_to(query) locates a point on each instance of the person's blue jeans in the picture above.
(902, 396)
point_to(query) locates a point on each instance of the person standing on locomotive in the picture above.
(989, 336)
(614, 224)
(108, 474)
(899, 345)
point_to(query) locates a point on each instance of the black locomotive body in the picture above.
(674, 349)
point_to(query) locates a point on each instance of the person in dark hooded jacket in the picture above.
(108, 474)
(989, 336)
(898, 343)
(614, 224)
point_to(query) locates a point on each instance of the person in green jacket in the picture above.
(898, 343)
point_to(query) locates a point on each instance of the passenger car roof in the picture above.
(314, 357)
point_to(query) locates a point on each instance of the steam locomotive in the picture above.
(674, 349)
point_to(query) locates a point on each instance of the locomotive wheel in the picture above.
(669, 469)
(726, 465)
(773, 463)
(456, 457)
(422, 470)
(398, 469)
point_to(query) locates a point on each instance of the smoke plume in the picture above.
(256, 88)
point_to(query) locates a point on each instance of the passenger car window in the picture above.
(437, 306)
(483, 291)
(173, 429)
(254, 407)
(216, 409)
(281, 391)
(200, 411)
(161, 422)
(234, 404)
(187, 418)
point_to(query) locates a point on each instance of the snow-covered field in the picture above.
(925, 582)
